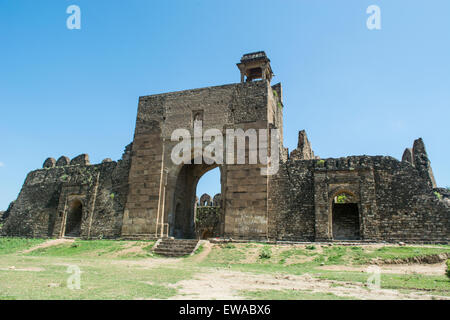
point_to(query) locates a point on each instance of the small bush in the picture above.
(311, 247)
(320, 163)
(265, 253)
(199, 249)
(448, 269)
(438, 195)
(342, 198)
(228, 246)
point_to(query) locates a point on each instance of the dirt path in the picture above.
(48, 243)
(207, 246)
(225, 285)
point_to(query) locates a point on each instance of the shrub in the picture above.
(320, 163)
(448, 269)
(311, 247)
(342, 198)
(438, 195)
(265, 253)
(199, 249)
(228, 246)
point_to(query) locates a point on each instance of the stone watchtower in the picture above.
(161, 197)
(255, 66)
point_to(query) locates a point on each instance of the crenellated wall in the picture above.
(208, 216)
(44, 201)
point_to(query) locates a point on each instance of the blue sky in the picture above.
(355, 91)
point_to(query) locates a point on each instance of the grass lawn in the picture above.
(129, 269)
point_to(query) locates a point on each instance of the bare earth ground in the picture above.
(224, 285)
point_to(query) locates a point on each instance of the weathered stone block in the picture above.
(49, 163)
(82, 160)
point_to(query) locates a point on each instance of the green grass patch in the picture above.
(13, 245)
(199, 249)
(103, 281)
(395, 252)
(81, 248)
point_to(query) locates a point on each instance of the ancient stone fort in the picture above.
(145, 195)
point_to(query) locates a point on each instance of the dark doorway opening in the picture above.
(346, 221)
(73, 220)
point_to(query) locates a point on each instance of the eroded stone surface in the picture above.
(49, 163)
(82, 160)
(63, 161)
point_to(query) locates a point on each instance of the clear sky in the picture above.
(355, 91)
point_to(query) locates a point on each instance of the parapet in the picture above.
(49, 163)
(82, 159)
(205, 200)
(63, 161)
(217, 200)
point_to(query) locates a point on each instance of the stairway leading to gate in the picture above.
(175, 247)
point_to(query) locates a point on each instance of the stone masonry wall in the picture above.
(244, 106)
(396, 201)
(43, 203)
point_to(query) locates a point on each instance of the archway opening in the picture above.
(208, 209)
(73, 220)
(183, 220)
(346, 224)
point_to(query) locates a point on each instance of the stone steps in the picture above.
(175, 247)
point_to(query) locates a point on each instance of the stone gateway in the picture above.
(145, 195)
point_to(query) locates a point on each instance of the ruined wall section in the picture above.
(42, 204)
(291, 202)
(396, 201)
(408, 208)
